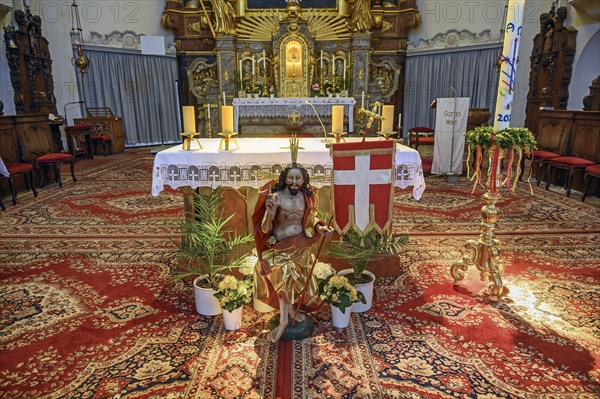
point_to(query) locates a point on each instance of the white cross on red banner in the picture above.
(363, 185)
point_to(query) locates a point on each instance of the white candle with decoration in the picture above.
(508, 70)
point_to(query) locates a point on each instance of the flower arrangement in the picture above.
(339, 292)
(498, 145)
(233, 293)
(316, 89)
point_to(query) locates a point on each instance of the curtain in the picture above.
(472, 73)
(142, 89)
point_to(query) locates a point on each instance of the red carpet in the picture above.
(89, 309)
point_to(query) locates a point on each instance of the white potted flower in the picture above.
(340, 294)
(232, 295)
(359, 250)
(208, 249)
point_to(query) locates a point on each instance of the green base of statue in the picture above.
(299, 331)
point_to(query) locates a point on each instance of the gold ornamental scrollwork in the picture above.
(195, 27)
(385, 26)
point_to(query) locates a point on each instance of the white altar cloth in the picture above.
(278, 106)
(259, 160)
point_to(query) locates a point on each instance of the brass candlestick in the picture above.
(338, 136)
(207, 114)
(321, 92)
(228, 138)
(187, 140)
(386, 135)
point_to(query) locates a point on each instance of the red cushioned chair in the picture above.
(571, 165)
(9, 151)
(591, 172)
(551, 144)
(420, 136)
(40, 150)
(15, 169)
(541, 158)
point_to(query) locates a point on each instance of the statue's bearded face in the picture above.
(294, 180)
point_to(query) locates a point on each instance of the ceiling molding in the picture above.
(588, 7)
(453, 39)
(127, 40)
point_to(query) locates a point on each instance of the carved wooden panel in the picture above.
(30, 65)
(551, 65)
(8, 141)
(34, 135)
(574, 133)
(591, 102)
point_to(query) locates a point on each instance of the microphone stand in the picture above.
(325, 139)
(451, 176)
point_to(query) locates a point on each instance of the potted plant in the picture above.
(208, 248)
(233, 294)
(359, 251)
(340, 294)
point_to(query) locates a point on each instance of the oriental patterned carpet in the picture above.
(89, 309)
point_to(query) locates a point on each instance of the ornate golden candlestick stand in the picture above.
(321, 92)
(228, 138)
(485, 252)
(265, 93)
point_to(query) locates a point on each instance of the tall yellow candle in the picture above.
(388, 121)
(337, 119)
(227, 119)
(189, 119)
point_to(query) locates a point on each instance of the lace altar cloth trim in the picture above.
(258, 160)
(257, 174)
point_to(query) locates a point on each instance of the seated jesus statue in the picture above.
(284, 233)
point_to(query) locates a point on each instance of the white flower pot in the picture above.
(233, 320)
(206, 303)
(339, 319)
(366, 289)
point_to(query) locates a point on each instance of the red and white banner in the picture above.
(363, 185)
